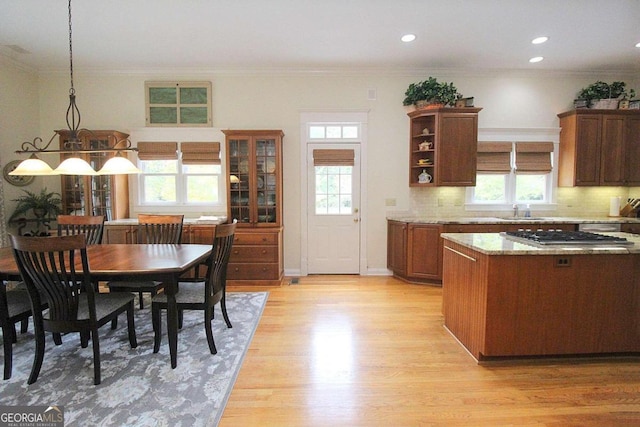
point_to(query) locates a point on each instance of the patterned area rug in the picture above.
(139, 388)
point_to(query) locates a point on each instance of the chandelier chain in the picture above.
(71, 90)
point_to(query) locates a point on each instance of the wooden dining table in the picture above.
(161, 262)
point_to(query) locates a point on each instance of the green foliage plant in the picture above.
(603, 90)
(432, 91)
(45, 204)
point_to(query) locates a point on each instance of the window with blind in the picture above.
(513, 173)
(174, 174)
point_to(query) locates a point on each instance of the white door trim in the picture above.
(333, 117)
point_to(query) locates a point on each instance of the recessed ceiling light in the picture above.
(536, 59)
(638, 44)
(540, 40)
(408, 38)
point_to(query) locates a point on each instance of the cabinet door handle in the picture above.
(461, 254)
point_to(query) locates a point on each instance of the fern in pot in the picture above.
(46, 204)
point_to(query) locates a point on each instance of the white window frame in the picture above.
(518, 135)
(181, 186)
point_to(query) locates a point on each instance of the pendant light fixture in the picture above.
(73, 165)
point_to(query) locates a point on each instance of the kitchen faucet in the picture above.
(515, 210)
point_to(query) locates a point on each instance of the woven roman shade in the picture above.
(333, 157)
(494, 157)
(157, 150)
(200, 153)
(533, 157)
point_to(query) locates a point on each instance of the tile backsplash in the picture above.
(575, 201)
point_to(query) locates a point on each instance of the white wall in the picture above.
(19, 120)
(253, 101)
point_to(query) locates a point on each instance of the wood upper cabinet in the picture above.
(254, 182)
(632, 150)
(599, 147)
(443, 144)
(106, 195)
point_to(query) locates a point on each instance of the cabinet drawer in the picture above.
(242, 271)
(258, 254)
(255, 238)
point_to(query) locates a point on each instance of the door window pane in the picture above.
(334, 192)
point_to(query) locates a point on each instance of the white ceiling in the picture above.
(322, 35)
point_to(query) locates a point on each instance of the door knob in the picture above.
(356, 219)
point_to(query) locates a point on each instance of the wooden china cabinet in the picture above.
(254, 199)
(106, 195)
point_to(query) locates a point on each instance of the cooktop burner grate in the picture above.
(567, 238)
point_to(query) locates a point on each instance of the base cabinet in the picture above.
(414, 251)
(198, 234)
(256, 257)
(118, 234)
(397, 247)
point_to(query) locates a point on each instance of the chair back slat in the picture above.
(217, 263)
(91, 226)
(57, 269)
(160, 228)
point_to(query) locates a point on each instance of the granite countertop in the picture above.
(507, 220)
(497, 244)
(187, 221)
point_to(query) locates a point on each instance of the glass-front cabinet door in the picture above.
(254, 177)
(239, 179)
(101, 195)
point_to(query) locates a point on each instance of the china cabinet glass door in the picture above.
(239, 160)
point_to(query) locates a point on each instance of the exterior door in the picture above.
(333, 222)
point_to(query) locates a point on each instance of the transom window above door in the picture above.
(337, 131)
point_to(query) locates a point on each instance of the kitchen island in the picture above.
(503, 298)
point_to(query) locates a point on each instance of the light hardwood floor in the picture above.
(372, 351)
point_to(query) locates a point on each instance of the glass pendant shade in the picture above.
(74, 166)
(118, 165)
(33, 166)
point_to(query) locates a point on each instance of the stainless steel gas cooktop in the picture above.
(565, 238)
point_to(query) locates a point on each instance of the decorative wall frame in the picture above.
(17, 180)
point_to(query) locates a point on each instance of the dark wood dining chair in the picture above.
(91, 226)
(152, 229)
(15, 307)
(57, 268)
(202, 296)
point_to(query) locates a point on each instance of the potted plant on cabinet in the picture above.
(44, 207)
(431, 93)
(602, 95)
